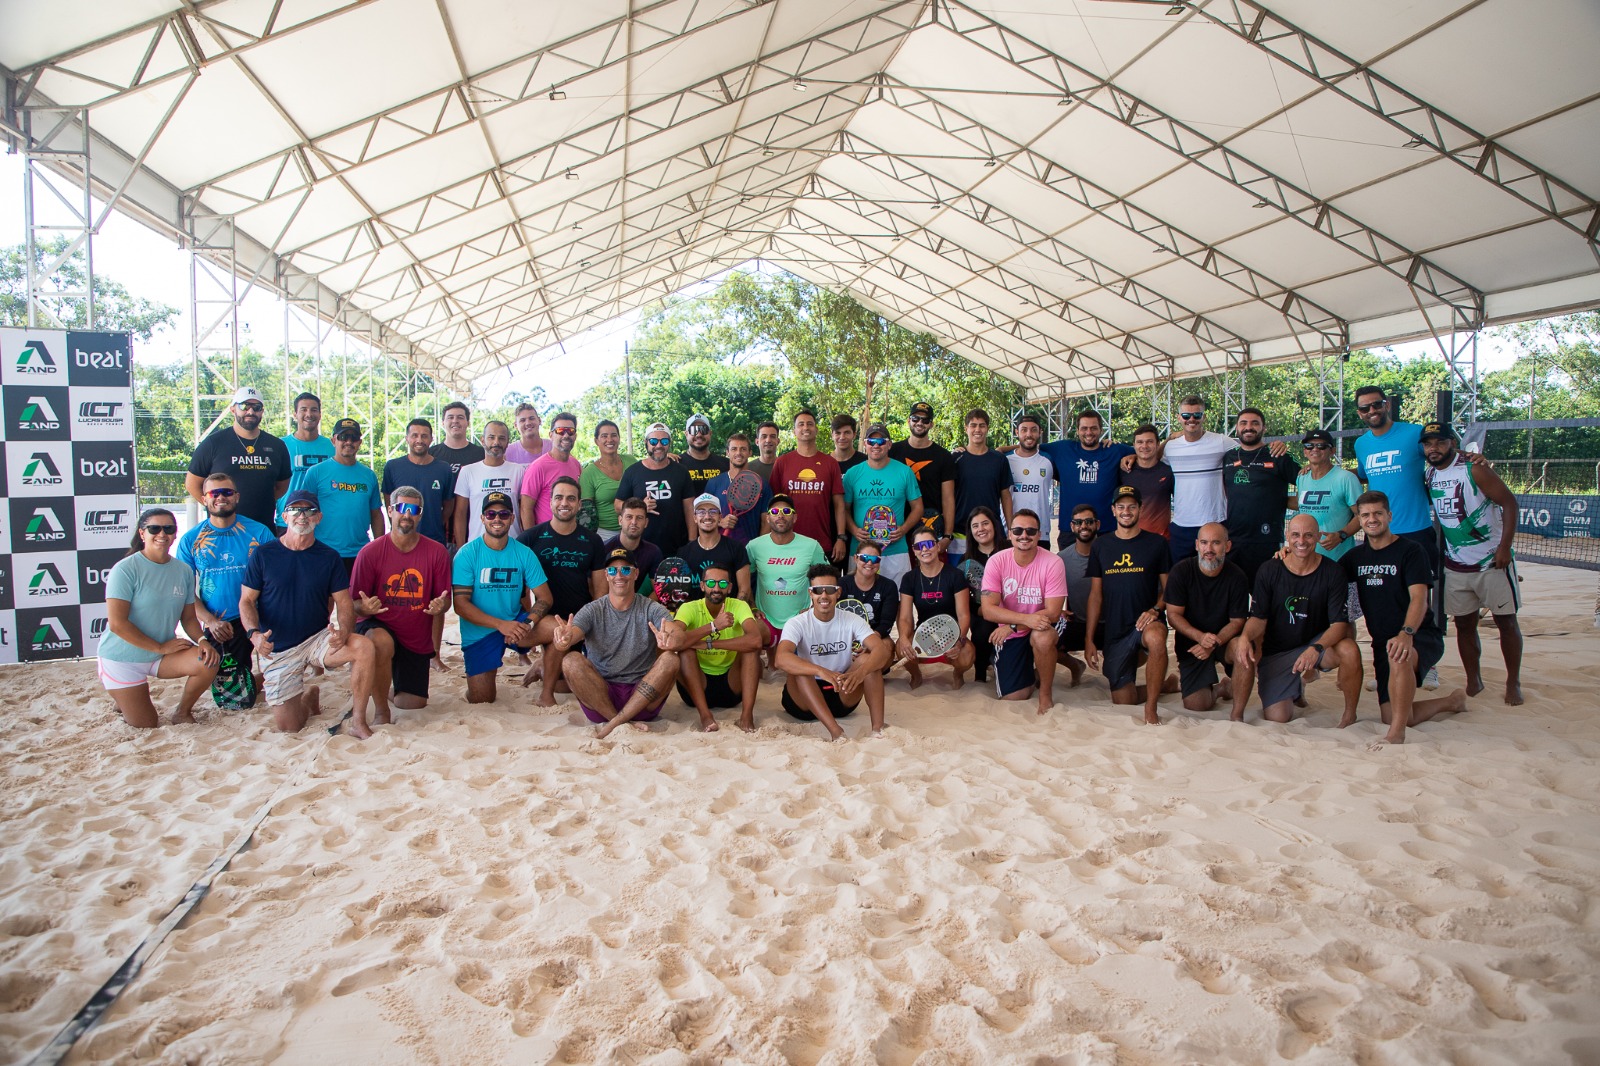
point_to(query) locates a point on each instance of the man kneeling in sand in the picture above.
(1208, 600)
(719, 651)
(1298, 629)
(627, 665)
(290, 584)
(827, 675)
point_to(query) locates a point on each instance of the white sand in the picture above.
(478, 886)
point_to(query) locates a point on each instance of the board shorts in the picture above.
(484, 655)
(830, 696)
(1120, 661)
(1495, 589)
(719, 693)
(1429, 648)
(115, 674)
(1276, 680)
(409, 669)
(1013, 666)
(1073, 632)
(620, 693)
(284, 675)
(1198, 675)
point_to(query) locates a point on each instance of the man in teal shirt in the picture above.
(1328, 492)
(307, 447)
(885, 503)
(352, 506)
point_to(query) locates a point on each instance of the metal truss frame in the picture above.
(57, 202)
(214, 297)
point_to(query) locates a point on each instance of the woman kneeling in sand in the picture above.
(148, 595)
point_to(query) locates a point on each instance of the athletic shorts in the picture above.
(409, 669)
(620, 693)
(773, 633)
(1013, 666)
(1276, 680)
(1120, 663)
(1073, 632)
(895, 567)
(115, 674)
(1352, 604)
(1198, 675)
(830, 696)
(1491, 588)
(1181, 539)
(719, 693)
(1251, 555)
(1429, 647)
(284, 675)
(484, 655)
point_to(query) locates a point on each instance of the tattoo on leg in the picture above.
(648, 691)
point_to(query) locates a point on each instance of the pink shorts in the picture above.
(620, 694)
(115, 674)
(773, 635)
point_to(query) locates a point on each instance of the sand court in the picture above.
(483, 885)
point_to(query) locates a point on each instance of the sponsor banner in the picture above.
(94, 570)
(93, 622)
(103, 468)
(8, 597)
(43, 524)
(49, 633)
(37, 412)
(5, 529)
(46, 579)
(39, 469)
(105, 521)
(99, 413)
(99, 359)
(1542, 516)
(8, 637)
(33, 357)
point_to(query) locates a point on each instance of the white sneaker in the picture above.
(1431, 682)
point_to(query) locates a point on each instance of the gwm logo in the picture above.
(1578, 506)
(100, 412)
(44, 527)
(37, 414)
(35, 359)
(51, 636)
(46, 581)
(41, 470)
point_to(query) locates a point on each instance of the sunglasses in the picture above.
(720, 583)
(925, 545)
(616, 571)
(251, 406)
(780, 510)
(824, 590)
(869, 560)
(1194, 417)
(225, 494)
(1077, 522)
(162, 528)
(499, 513)
(348, 436)
(1026, 531)
(651, 442)
(302, 509)
(877, 442)
(564, 432)
(919, 420)
(408, 508)
(1375, 405)
(1316, 447)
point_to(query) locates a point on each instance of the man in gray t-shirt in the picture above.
(1079, 536)
(627, 665)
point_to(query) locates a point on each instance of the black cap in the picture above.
(346, 426)
(498, 499)
(1439, 429)
(1317, 436)
(921, 410)
(781, 497)
(619, 554)
(1127, 492)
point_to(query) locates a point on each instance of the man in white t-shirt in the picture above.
(494, 473)
(832, 658)
(1032, 474)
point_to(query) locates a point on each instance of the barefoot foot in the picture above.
(1513, 694)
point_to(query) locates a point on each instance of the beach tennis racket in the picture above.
(935, 636)
(675, 582)
(859, 609)
(588, 515)
(744, 492)
(974, 572)
(880, 522)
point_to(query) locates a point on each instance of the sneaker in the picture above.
(1431, 682)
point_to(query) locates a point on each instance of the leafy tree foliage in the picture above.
(115, 308)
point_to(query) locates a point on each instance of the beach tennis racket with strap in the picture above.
(935, 636)
(675, 583)
(744, 492)
(860, 610)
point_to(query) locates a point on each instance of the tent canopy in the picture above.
(1074, 193)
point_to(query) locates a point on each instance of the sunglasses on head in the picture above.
(653, 441)
(869, 560)
(1368, 408)
(408, 508)
(877, 442)
(824, 590)
(615, 571)
(165, 528)
(225, 494)
(718, 583)
(1191, 416)
(497, 513)
(780, 510)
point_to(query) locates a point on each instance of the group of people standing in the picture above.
(621, 579)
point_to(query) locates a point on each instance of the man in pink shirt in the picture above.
(543, 471)
(1024, 590)
(529, 445)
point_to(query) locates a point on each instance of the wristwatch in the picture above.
(251, 633)
(1320, 648)
(709, 638)
(1409, 631)
(1343, 536)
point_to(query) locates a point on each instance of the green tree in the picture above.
(115, 309)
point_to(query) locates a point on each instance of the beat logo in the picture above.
(51, 636)
(38, 416)
(41, 470)
(46, 581)
(35, 359)
(98, 360)
(103, 467)
(44, 527)
(95, 575)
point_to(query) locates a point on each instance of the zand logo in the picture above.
(46, 581)
(37, 414)
(51, 636)
(41, 470)
(44, 527)
(35, 359)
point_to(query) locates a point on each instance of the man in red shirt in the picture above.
(811, 479)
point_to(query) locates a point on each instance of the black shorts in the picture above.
(409, 669)
(1198, 675)
(1429, 648)
(1121, 659)
(349, 566)
(1071, 638)
(1251, 555)
(830, 696)
(1013, 667)
(718, 692)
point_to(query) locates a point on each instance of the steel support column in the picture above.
(213, 315)
(57, 206)
(1461, 356)
(1328, 368)
(1231, 387)
(1161, 404)
(305, 333)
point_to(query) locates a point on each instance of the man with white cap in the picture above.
(698, 462)
(709, 547)
(664, 486)
(257, 461)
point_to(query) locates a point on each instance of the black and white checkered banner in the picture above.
(70, 487)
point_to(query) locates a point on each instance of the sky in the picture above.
(151, 266)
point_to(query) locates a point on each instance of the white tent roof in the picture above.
(1074, 193)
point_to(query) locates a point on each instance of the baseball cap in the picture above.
(1439, 429)
(1127, 492)
(619, 554)
(301, 496)
(247, 394)
(877, 429)
(920, 410)
(497, 499)
(781, 497)
(696, 420)
(654, 426)
(346, 426)
(1318, 436)
(706, 499)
